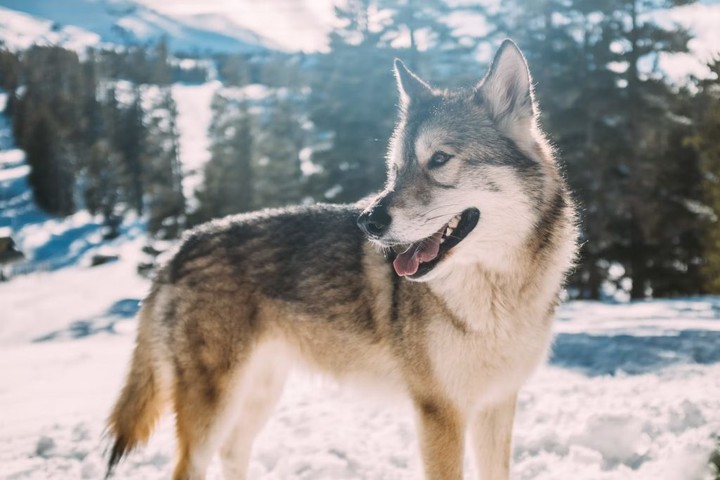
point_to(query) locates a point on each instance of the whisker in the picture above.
(440, 216)
(437, 208)
(387, 245)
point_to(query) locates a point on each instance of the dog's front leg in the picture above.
(491, 432)
(441, 432)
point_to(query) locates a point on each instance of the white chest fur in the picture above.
(508, 331)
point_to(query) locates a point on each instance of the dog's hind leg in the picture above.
(491, 432)
(212, 350)
(441, 434)
(199, 427)
(258, 392)
(205, 411)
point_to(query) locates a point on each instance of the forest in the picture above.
(640, 152)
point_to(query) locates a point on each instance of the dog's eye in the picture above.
(439, 159)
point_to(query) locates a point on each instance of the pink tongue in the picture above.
(408, 262)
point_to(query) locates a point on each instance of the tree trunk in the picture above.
(594, 282)
(638, 265)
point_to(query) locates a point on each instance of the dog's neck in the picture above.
(520, 281)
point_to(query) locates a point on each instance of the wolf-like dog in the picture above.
(447, 290)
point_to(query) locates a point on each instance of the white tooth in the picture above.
(454, 222)
(449, 230)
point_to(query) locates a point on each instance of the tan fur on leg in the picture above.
(441, 440)
(492, 440)
(257, 394)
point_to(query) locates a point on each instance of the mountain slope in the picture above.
(19, 31)
(124, 22)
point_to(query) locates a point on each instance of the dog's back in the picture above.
(238, 302)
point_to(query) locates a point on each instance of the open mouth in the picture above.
(421, 257)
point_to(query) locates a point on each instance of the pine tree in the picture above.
(228, 186)
(234, 70)
(50, 175)
(161, 69)
(51, 110)
(102, 191)
(647, 103)
(137, 66)
(282, 70)
(162, 172)
(706, 141)
(277, 155)
(130, 142)
(9, 77)
(423, 38)
(352, 102)
(614, 126)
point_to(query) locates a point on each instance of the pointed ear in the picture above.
(507, 87)
(410, 86)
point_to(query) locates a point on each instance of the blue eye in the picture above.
(439, 159)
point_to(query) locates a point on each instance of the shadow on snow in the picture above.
(124, 309)
(634, 354)
(592, 355)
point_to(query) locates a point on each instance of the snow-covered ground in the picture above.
(633, 392)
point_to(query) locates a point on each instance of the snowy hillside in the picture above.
(65, 338)
(48, 242)
(80, 23)
(19, 31)
(249, 26)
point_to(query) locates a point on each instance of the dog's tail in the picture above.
(141, 401)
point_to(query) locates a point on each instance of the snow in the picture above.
(80, 23)
(193, 121)
(289, 25)
(243, 25)
(663, 317)
(67, 336)
(703, 21)
(303, 25)
(19, 31)
(13, 173)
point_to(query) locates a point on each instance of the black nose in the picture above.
(374, 222)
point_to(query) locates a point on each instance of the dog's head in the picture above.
(467, 171)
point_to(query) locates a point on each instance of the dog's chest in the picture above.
(503, 342)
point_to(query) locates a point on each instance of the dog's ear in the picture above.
(410, 86)
(507, 87)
